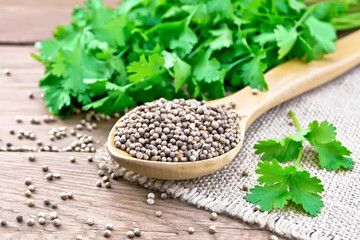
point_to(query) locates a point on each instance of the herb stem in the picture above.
(297, 124)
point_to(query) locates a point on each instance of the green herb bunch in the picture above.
(111, 59)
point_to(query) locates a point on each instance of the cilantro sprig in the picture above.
(147, 49)
(282, 184)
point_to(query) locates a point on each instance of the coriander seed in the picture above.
(130, 234)
(18, 119)
(191, 230)
(245, 173)
(245, 187)
(28, 193)
(30, 222)
(49, 176)
(90, 158)
(42, 221)
(7, 72)
(254, 91)
(98, 183)
(41, 214)
(54, 205)
(56, 222)
(257, 207)
(46, 201)
(90, 221)
(3, 222)
(150, 201)
(53, 215)
(213, 216)
(108, 185)
(57, 175)
(12, 131)
(63, 195)
(45, 168)
(101, 173)
(27, 181)
(163, 196)
(158, 213)
(212, 229)
(70, 195)
(137, 232)
(30, 202)
(72, 159)
(273, 237)
(107, 233)
(105, 178)
(79, 237)
(31, 188)
(151, 195)
(19, 218)
(31, 157)
(109, 226)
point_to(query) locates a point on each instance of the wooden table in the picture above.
(124, 205)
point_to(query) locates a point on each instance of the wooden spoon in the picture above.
(285, 82)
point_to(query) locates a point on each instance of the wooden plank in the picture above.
(35, 20)
(124, 204)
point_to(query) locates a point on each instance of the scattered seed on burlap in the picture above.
(137, 232)
(30, 222)
(107, 233)
(178, 131)
(191, 230)
(213, 216)
(245, 187)
(130, 234)
(245, 173)
(212, 229)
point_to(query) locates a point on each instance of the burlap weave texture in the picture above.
(339, 103)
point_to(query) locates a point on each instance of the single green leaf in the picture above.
(146, 69)
(296, 5)
(285, 39)
(207, 70)
(252, 73)
(223, 38)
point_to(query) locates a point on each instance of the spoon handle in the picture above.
(295, 77)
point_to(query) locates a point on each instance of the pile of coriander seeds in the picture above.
(178, 131)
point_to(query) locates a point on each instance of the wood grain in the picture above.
(124, 204)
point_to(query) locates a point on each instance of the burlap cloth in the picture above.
(339, 103)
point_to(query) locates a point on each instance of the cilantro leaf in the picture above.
(146, 69)
(321, 133)
(206, 69)
(283, 150)
(282, 184)
(223, 38)
(252, 73)
(285, 39)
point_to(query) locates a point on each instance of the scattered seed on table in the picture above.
(45, 168)
(254, 91)
(213, 216)
(12, 131)
(98, 183)
(130, 234)
(39, 142)
(8, 144)
(19, 136)
(53, 215)
(70, 195)
(163, 196)
(41, 214)
(79, 237)
(49, 176)
(151, 195)
(34, 120)
(107, 233)
(108, 185)
(101, 173)
(273, 237)
(57, 175)
(105, 178)
(150, 201)
(245, 187)
(212, 229)
(18, 119)
(46, 201)
(63, 195)
(28, 193)
(19, 218)
(114, 176)
(3, 222)
(30, 222)
(79, 127)
(56, 222)
(137, 232)
(72, 159)
(90, 221)
(257, 207)
(42, 220)
(30, 202)
(7, 72)
(31, 188)
(191, 230)
(245, 173)
(28, 181)
(30, 95)
(90, 158)
(109, 226)
(54, 205)
(158, 213)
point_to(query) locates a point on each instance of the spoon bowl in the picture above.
(285, 81)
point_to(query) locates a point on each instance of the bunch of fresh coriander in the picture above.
(111, 59)
(293, 183)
